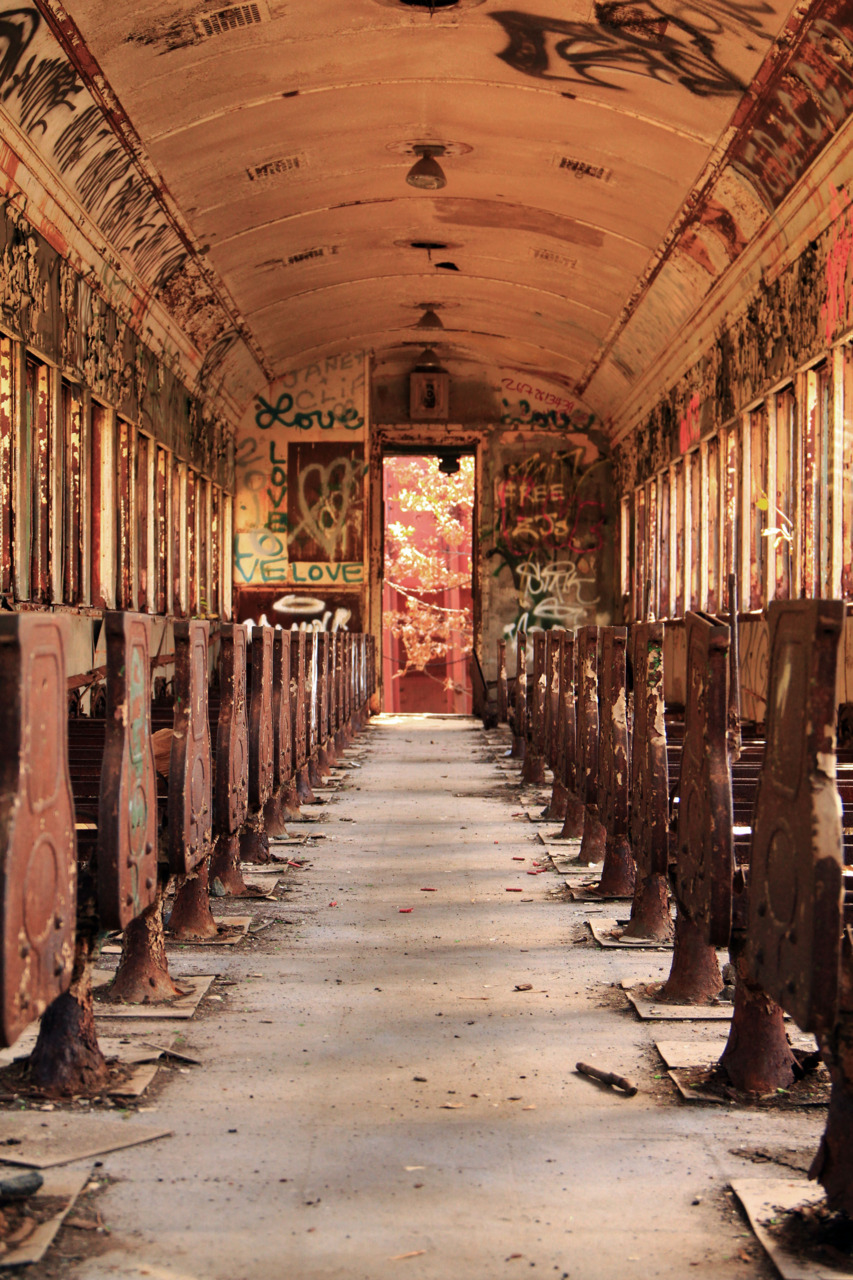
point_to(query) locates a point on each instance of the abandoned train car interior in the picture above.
(426, 581)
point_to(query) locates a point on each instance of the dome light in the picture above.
(426, 173)
(429, 320)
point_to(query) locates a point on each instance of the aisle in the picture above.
(378, 1099)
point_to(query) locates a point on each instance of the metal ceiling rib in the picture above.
(544, 98)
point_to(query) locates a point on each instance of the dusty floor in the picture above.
(377, 1100)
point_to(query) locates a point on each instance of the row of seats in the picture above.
(96, 815)
(746, 833)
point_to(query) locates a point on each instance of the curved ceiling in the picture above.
(587, 143)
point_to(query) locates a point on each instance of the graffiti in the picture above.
(838, 258)
(550, 522)
(806, 102)
(322, 397)
(260, 554)
(537, 506)
(348, 574)
(521, 415)
(306, 491)
(214, 359)
(583, 169)
(325, 501)
(295, 611)
(341, 415)
(539, 394)
(660, 45)
(689, 428)
(48, 100)
(551, 594)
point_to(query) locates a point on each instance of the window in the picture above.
(640, 554)
(72, 410)
(214, 603)
(36, 510)
(651, 600)
(144, 549)
(731, 506)
(103, 521)
(818, 478)
(713, 539)
(679, 537)
(625, 557)
(7, 434)
(693, 519)
(824, 477)
(204, 558)
(758, 506)
(782, 519)
(161, 530)
(192, 542)
(664, 558)
(179, 539)
(124, 507)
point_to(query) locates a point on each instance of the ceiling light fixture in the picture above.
(430, 319)
(426, 173)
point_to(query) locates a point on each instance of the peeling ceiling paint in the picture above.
(607, 164)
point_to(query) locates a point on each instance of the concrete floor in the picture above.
(306, 1148)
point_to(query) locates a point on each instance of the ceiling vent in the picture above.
(582, 169)
(325, 251)
(283, 167)
(555, 259)
(232, 18)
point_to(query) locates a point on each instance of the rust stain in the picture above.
(517, 217)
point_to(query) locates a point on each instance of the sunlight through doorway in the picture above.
(427, 618)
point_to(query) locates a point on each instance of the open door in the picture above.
(427, 620)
